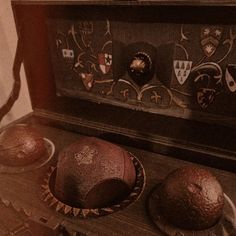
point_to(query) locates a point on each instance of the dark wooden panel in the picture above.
(156, 132)
(203, 92)
(181, 145)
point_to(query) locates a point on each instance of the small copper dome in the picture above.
(21, 145)
(191, 198)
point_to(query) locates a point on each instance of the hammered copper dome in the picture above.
(191, 198)
(92, 173)
(21, 145)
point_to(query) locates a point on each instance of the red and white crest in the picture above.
(210, 39)
(182, 70)
(105, 62)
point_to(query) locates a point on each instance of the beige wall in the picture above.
(8, 41)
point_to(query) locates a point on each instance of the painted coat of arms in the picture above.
(84, 50)
(195, 65)
(210, 39)
(182, 70)
(105, 62)
(230, 77)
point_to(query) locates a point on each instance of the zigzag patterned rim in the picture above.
(49, 198)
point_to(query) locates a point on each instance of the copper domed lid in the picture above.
(190, 201)
(23, 148)
(95, 177)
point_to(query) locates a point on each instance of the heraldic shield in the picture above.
(210, 39)
(105, 62)
(87, 80)
(182, 70)
(230, 77)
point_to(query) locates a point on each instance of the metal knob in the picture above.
(140, 67)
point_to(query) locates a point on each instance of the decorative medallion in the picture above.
(210, 39)
(182, 70)
(140, 68)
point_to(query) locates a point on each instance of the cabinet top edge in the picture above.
(219, 3)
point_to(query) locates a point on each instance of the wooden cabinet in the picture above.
(155, 76)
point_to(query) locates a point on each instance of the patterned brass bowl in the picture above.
(49, 197)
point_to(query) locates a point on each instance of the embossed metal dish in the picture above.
(225, 227)
(35, 165)
(49, 197)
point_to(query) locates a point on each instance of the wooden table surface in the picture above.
(23, 192)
